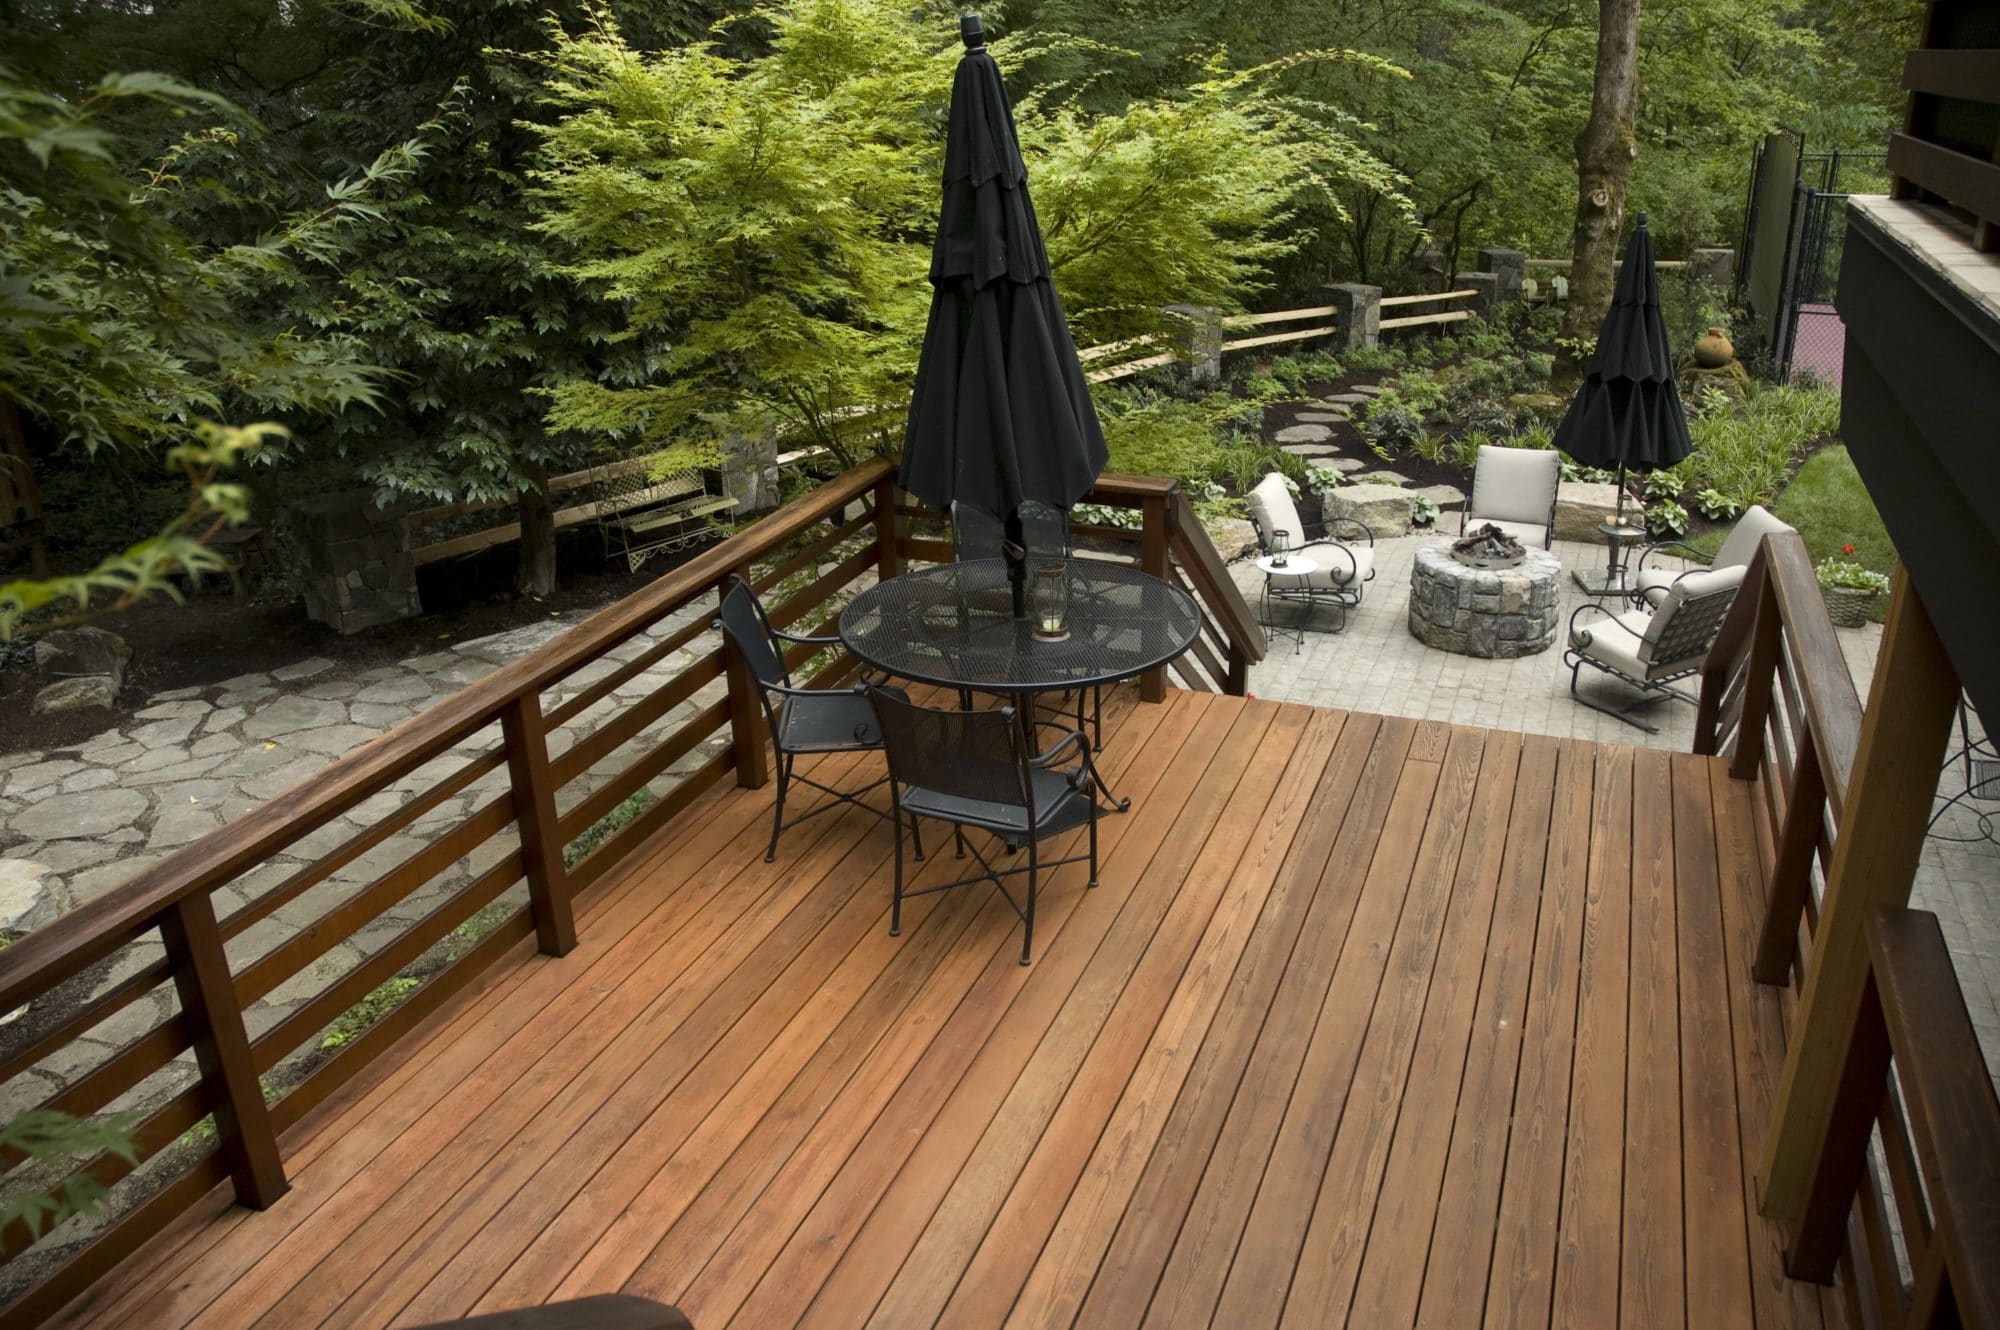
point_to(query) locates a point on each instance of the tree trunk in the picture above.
(1604, 153)
(536, 573)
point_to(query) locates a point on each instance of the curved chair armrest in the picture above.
(1580, 634)
(1076, 739)
(825, 640)
(1678, 548)
(789, 690)
(1353, 564)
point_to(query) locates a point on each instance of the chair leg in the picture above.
(1093, 844)
(958, 835)
(1028, 915)
(896, 906)
(916, 836)
(778, 811)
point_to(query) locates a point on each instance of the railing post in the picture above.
(222, 1051)
(888, 531)
(1791, 873)
(1813, 1244)
(746, 717)
(535, 815)
(1911, 702)
(1759, 682)
(1153, 558)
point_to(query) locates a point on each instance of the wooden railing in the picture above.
(1778, 702)
(1430, 318)
(1914, 1081)
(530, 799)
(1776, 697)
(1947, 149)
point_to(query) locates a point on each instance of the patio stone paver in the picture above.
(1376, 666)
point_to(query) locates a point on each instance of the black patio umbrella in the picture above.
(1001, 413)
(1627, 414)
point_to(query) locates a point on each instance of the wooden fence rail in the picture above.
(494, 741)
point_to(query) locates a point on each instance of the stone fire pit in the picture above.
(1497, 613)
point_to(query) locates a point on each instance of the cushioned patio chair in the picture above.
(1651, 650)
(802, 720)
(1649, 585)
(1515, 490)
(975, 769)
(1343, 549)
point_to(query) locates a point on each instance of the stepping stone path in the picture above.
(1304, 434)
(78, 822)
(1321, 417)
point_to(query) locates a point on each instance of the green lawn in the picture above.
(1830, 506)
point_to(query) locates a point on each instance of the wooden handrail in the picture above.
(497, 726)
(606, 1311)
(96, 928)
(1777, 698)
(1912, 1019)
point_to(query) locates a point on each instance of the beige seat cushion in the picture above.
(1614, 642)
(1515, 485)
(1271, 507)
(1334, 572)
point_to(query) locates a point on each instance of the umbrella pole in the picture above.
(1614, 568)
(1014, 547)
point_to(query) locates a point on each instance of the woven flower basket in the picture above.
(1848, 606)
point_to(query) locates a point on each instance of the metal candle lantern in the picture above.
(1051, 602)
(1281, 548)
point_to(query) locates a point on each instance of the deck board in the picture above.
(1369, 1022)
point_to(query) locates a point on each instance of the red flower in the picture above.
(1847, 549)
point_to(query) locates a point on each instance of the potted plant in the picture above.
(1849, 589)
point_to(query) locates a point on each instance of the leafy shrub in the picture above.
(1717, 506)
(358, 1019)
(1489, 417)
(1423, 509)
(1323, 480)
(1841, 573)
(1375, 359)
(1101, 514)
(1536, 435)
(1419, 392)
(1389, 423)
(1667, 518)
(1745, 450)
(1660, 486)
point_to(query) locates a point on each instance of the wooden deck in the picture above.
(1370, 1022)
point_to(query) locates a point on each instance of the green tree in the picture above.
(767, 219)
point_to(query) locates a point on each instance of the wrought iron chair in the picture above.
(1649, 586)
(1515, 489)
(801, 720)
(978, 534)
(1343, 549)
(1652, 650)
(976, 769)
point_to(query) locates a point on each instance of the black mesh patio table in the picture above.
(953, 625)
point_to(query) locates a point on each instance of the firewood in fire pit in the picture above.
(1487, 546)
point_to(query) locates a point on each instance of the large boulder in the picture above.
(1383, 509)
(89, 690)
(75, 652)
(1581, 506)
(1233, 537)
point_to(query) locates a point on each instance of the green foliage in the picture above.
(1834, 514)
(1423, 510)
(1388, 423)
(764, 221)
(1717, 506)
(1743, 451)
(607, 826)
(1666, 518)
(56, 1139)
(180, 550)
(1375, 359)
(1689, 307)
(358, 1019)
(474, 930)
(1845, 573)
(1661, 485)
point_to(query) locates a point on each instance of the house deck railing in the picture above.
(513, 749)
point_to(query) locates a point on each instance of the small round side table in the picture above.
(1296, 565)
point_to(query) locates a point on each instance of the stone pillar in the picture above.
(1431, 269)
(1510, 266)
(1717, 267)
(1357, 314)
(359, 571)
(750, 471)
(1487, 284)
(1198, 340)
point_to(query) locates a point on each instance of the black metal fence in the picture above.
(1794, 227)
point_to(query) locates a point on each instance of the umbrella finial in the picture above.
(972, 31)
(1642, 221)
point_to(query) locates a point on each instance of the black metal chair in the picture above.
(801, 720)
(976, 769)
(979, 534)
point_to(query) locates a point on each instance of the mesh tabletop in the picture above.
(954, 625)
